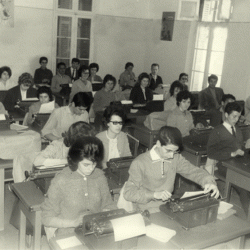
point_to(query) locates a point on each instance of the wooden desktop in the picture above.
(195, 238)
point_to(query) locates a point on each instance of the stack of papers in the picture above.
(157, 97)
(2, 117)
(126, 102)
(15, 126)
(48, 163)
(225, 210)
(47, 107)
(159, 233)
(30, 99)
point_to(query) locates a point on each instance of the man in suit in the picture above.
(155, 79)
(210, 100)
(72, 71)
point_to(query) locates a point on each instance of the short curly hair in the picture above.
(109, 78)
(94, 65)
(77, 130)
(89, 147)
(183, 95)
(113, 110)
(174, 85)
(7, 69)
(25, 78)
(45, 90)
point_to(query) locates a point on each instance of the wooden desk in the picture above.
(4, 164)
(31, 198)
(238, 174)
(195, 238)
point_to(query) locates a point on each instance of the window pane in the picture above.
(202, 37)
(64, 26)
(199, 60)
(82, 48)
(65, 4)
(84, 62)
(66, 61)
(63, 47)
(216, 63)
(83, 29)
(197, 81)
(219, 39)
(85, 5)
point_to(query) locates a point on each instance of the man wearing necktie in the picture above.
(226, 141)
(72, 71)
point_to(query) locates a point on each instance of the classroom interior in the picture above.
(130, 31)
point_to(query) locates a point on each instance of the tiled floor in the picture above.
(9, 237)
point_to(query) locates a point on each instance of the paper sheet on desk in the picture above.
(30, 99)
(190, 194)
(48, 163)
(47, 107)
(159, 233)
(128, 227)
(224, 207)
(2, 117)
(157, 97)
(69, 242)
(15, 126)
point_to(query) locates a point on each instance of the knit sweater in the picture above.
(122, 144)
(222, 143)
(183, 121)
(148, 174)
(71, 195)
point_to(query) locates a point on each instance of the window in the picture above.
(73, 30)
(210, 45)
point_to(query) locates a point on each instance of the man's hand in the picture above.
(212, 187)
(162, 195)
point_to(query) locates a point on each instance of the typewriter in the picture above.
(43, 176)
(99, 224)
(118, 169)
(192, 211)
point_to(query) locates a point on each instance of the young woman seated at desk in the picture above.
(114, 140)
(141, 93)
(58, 149)
(44, 94)
(78, 190)
(105, 96)
(61, 118)
(82, 84)
(180, 117)
(170, 103)
(152, 174)
(93, 77)
(20, 92)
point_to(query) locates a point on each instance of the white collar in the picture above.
(228, 126)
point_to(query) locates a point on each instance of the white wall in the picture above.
(31, 37)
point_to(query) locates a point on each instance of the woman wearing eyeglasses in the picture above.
(20, 92)
(152, 174)
(115, 141)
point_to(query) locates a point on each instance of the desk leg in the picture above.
(37, 230)
(1, 199)
(228, 190)
(22, 231)
(242, 242)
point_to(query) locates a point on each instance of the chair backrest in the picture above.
(133, 144)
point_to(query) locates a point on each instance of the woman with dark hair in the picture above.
(58, 149)
(21, 92)
(141, 93)
(114, 140)
(152, 174)
(5, 82)
(44, 94)
(105, 96)
(61, 118)
(170, 103)
(77, 190)
(93, 77)
(127, 78)
(82, 84)
(180, 117)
